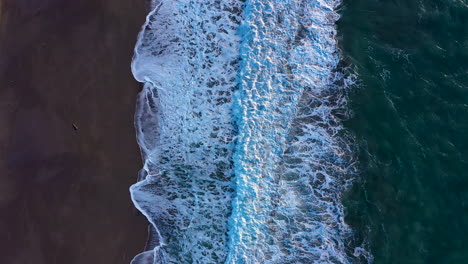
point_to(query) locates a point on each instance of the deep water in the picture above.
(411, 124)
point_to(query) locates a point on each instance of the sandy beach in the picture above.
(68, 152)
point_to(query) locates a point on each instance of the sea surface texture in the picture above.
(240, 127)
(411, 125)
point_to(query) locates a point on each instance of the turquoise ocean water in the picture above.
(410, 122)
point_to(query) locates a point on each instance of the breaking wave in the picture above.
(239, 125)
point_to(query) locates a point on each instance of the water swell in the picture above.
(291, 163)
(239, 124)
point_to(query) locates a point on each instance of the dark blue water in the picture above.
(410, 121)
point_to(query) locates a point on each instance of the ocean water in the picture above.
(240, 127)
(187, 57)
(291, 161)
(410, 112)
(250, 154)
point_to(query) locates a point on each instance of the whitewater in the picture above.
(239, 126)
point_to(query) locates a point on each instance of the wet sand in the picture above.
(68, 152)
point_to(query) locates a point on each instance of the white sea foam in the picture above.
(187, 56)
(245, 162)
(292, 165)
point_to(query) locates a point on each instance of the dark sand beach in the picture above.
(68, 152)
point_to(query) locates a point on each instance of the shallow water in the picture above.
(291, 163)
(239, 123)
(187, 57)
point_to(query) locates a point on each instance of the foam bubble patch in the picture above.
(239, 125)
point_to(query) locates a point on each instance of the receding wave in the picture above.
(187, 57)
(239, 124)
